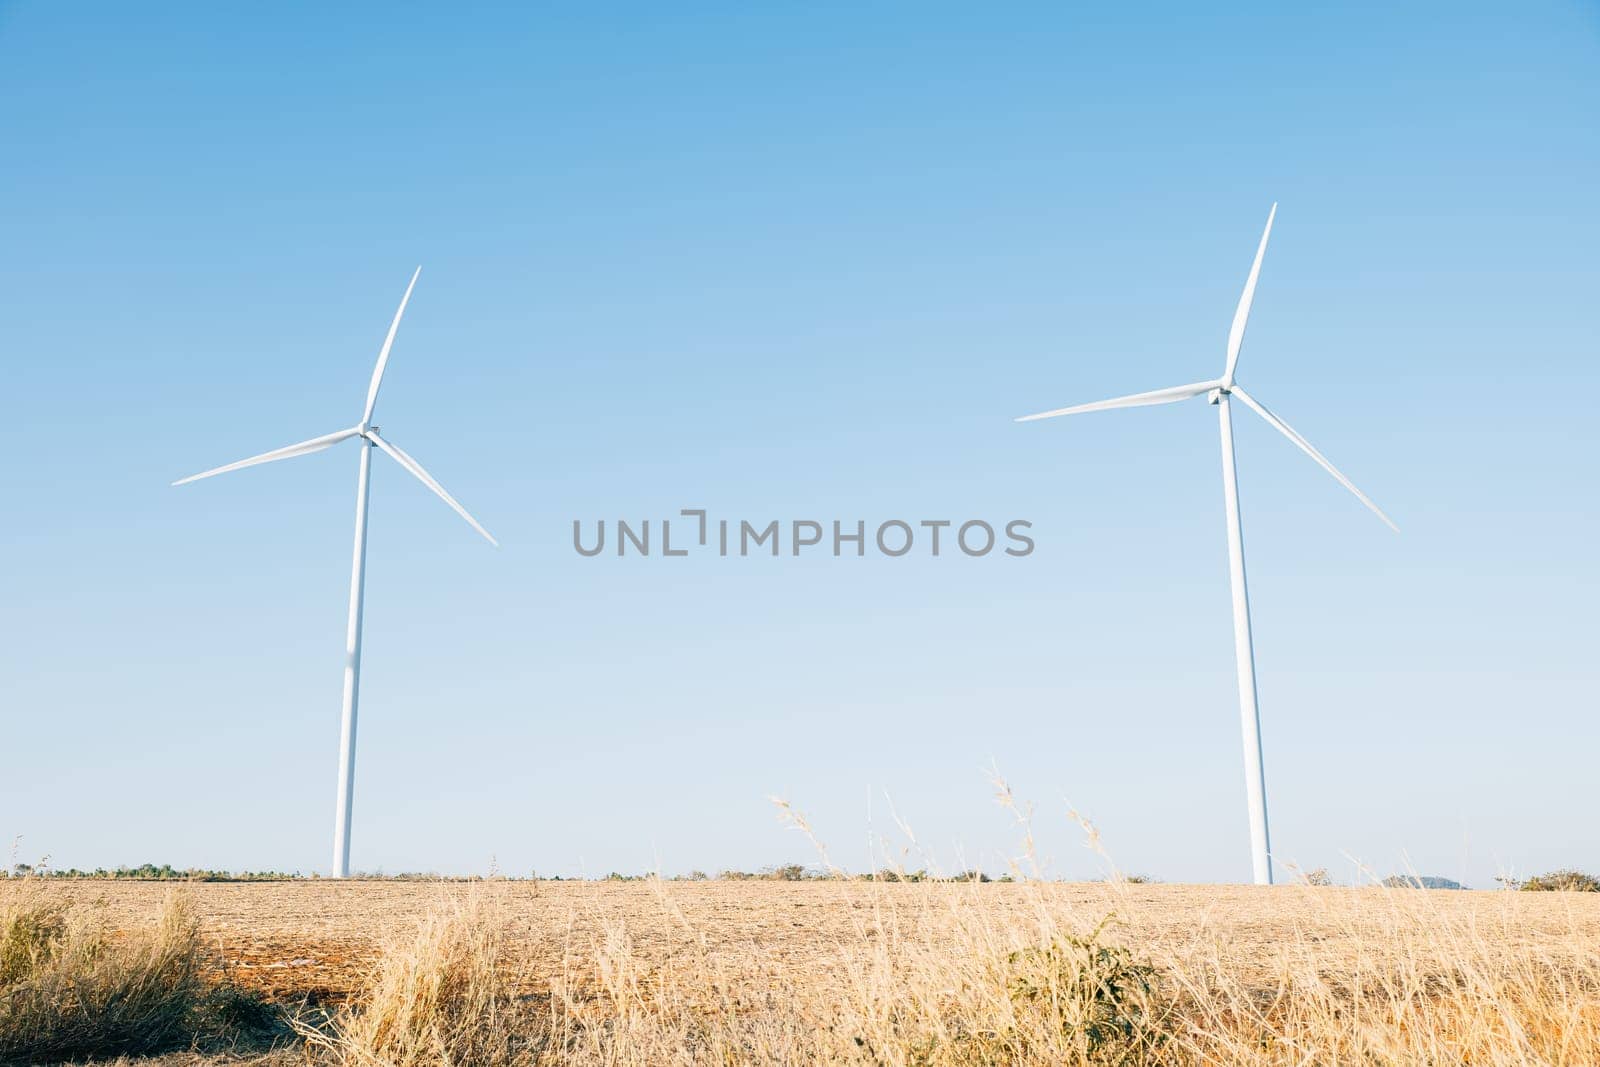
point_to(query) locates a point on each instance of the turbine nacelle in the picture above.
(365, 429)
(1217, 388)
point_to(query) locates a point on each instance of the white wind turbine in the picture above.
(1219, 391)
(352, 664)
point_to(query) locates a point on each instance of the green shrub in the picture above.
(788, 872)
(1565, 880)
(1096, 995)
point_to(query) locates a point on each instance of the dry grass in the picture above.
(910, 973)
(1412, 980)
(442, 995)
(71, 987)
(974, 974)
(899, 973)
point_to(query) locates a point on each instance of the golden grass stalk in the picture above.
(441, 995)
(69, 987)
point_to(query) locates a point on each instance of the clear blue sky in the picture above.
(792, 263)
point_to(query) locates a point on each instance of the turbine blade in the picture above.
(1137, 400)
(383, 356)
(1242, 313)
(304, 448)
(400, 457)
(1306, 447)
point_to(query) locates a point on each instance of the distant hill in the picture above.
(1420, 881)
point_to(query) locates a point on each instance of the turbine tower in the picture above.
(1220, 391)
(368, 433)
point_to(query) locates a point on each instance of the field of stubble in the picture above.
(318, 938)
(895, 973)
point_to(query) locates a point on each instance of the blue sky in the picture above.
(798, 263)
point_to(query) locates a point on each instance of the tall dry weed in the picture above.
(70, 987)
(445, 994)
(1410, 982)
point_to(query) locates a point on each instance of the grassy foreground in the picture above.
(823, 972)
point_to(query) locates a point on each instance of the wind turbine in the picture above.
(1219, 392)
(368, 433)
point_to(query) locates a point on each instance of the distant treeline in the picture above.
(794, 872)
(1563, 880)
(165, 872)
